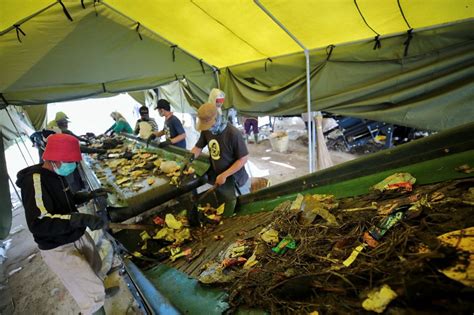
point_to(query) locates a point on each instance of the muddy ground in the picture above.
(36, 290)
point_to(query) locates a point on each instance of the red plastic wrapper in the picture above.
(159, 221)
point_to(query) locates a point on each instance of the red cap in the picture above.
(62, 148)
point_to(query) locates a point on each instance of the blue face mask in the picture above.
(218, 127)
(65, 169)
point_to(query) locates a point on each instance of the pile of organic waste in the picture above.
(401, 248)
(137, 170)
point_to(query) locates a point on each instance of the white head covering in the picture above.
(215, 94)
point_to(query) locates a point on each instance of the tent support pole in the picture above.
(19, 136)
(21, 152)
(311, 147)
(14, 188)
(216, 73)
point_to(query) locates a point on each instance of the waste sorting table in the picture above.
(439, 203)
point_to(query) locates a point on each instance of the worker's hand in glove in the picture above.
(150, 139)
(164, 144)
(101, 192)
(84, 196)
(80, 220)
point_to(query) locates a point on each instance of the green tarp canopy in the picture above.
(52, 51)
(428, 84)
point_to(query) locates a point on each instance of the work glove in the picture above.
(164, 144)
(93, 222)
(150, 139)
(84, 196)
(100, 192)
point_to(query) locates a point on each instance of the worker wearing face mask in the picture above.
(227, 149)
(57, 226)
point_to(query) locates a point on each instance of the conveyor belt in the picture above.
(232, 229)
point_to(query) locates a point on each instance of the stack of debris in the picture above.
(401, 247)
(136, 171)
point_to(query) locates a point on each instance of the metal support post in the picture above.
(311, 147)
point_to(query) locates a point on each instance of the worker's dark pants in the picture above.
(251, 124)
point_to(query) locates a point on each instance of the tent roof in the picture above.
(112, 46)
(230, 32)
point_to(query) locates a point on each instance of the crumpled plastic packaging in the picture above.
(214, 274)
(403, 181)
(378, 299)
(269, 236)
(171, 222)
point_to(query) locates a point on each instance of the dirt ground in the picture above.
(34, 289)
(280, 167)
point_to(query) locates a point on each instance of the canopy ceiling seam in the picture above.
(377, 44)
(65, 11)
(137, 29)
(363, 18)
(409, 31)
(364, 40)
(403, 14)
(173, 51)
(227, 28)
(266, 60)
(329, 53)
(22, 21)
(18, 31)
(153, 32)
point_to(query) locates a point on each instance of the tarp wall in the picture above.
(432, 87)
(5, 199)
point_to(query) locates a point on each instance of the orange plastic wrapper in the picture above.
(228, 262)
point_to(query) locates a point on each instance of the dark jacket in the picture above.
(48, 204)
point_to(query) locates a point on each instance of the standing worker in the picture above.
(58, 228)
(61, 123)
(145, 125)
(251, 122)
(217, 97)
(226, 147)
(120, 125)
(173, 129)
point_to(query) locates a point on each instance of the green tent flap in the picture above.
(431, 88)
(37, 115)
